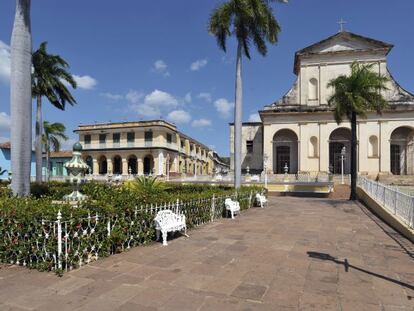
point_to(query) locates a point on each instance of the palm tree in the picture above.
(49, 74)
(354, 96)
(250, 21)
(52, 136)
(20, 99)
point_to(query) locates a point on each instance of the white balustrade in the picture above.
(397, 203)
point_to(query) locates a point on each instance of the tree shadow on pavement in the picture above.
(347, 266)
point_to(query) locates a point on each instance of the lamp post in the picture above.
(343, 153)
(265, 158)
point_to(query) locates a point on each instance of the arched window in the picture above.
(313, 89)
(373, 146)
(313, 147)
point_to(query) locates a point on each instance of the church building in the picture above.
(298, 133)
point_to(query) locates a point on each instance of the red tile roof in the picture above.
(61, 154)
(5, 145)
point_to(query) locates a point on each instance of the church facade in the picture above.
(298, 133)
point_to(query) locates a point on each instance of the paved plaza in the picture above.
(298, 254)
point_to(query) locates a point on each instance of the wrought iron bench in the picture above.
(232, 206)
(261, 200)
(167, 221)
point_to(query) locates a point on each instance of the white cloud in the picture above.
(160, 99)
(160, 67)
(85, 82)
(112, 96)
(5, 121)
(198, 64)
(187, 98)
(179, 116)
(201, 123)
(154, 104)
(224, 107)
(205, 96)
(254, 117)
(133, 96)
(4, 62)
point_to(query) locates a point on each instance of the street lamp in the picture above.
(265, 158)
(343, 153)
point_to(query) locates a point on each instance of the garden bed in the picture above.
(37, 233)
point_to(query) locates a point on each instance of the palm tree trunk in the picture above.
(38, 145)
(238, 119)
(354, 147)
(47, 160)
(21, 99)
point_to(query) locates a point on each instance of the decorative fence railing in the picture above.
(68, 242)
(399, 204)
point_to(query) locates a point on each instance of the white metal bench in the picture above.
(255, 178)
(167, 221)
(261, 200)
(232, 206)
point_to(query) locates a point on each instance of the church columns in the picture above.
(95, 166)
(140, 167)
(124, 166)
(110, 167)
(385, 147)
(324, 147)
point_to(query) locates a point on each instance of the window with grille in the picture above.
(148, 136)
(249, 146)
(102, 138)
(87, 139)
(116, 137)
(130, 137)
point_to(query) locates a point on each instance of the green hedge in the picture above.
(28, 227)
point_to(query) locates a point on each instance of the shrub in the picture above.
(111, 220)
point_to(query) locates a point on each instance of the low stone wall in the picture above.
(382, 213)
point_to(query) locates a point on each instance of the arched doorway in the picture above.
(89, 162)
(148, 165)
(103, 165)
(285, 152)
(402, 151)
(132, 165)
(340, 138)
(117, 165)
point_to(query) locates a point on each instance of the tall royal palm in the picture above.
(356, 95)
(53, 134)
(49, 74)
(251, 22)
(20, 99)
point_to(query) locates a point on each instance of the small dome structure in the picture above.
(77, 147)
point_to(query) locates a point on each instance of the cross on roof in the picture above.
(341, 25)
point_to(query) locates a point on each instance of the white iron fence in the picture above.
(68, 242)
(399, 204)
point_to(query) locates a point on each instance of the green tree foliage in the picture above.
(250, 22)
(354, 96)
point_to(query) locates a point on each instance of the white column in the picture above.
(160, 163)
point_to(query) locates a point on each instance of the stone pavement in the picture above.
(259, 261)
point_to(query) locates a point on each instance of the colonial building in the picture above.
(299, 131)
(5, 161)
(143, 148)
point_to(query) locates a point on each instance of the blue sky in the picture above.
(148, 59)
